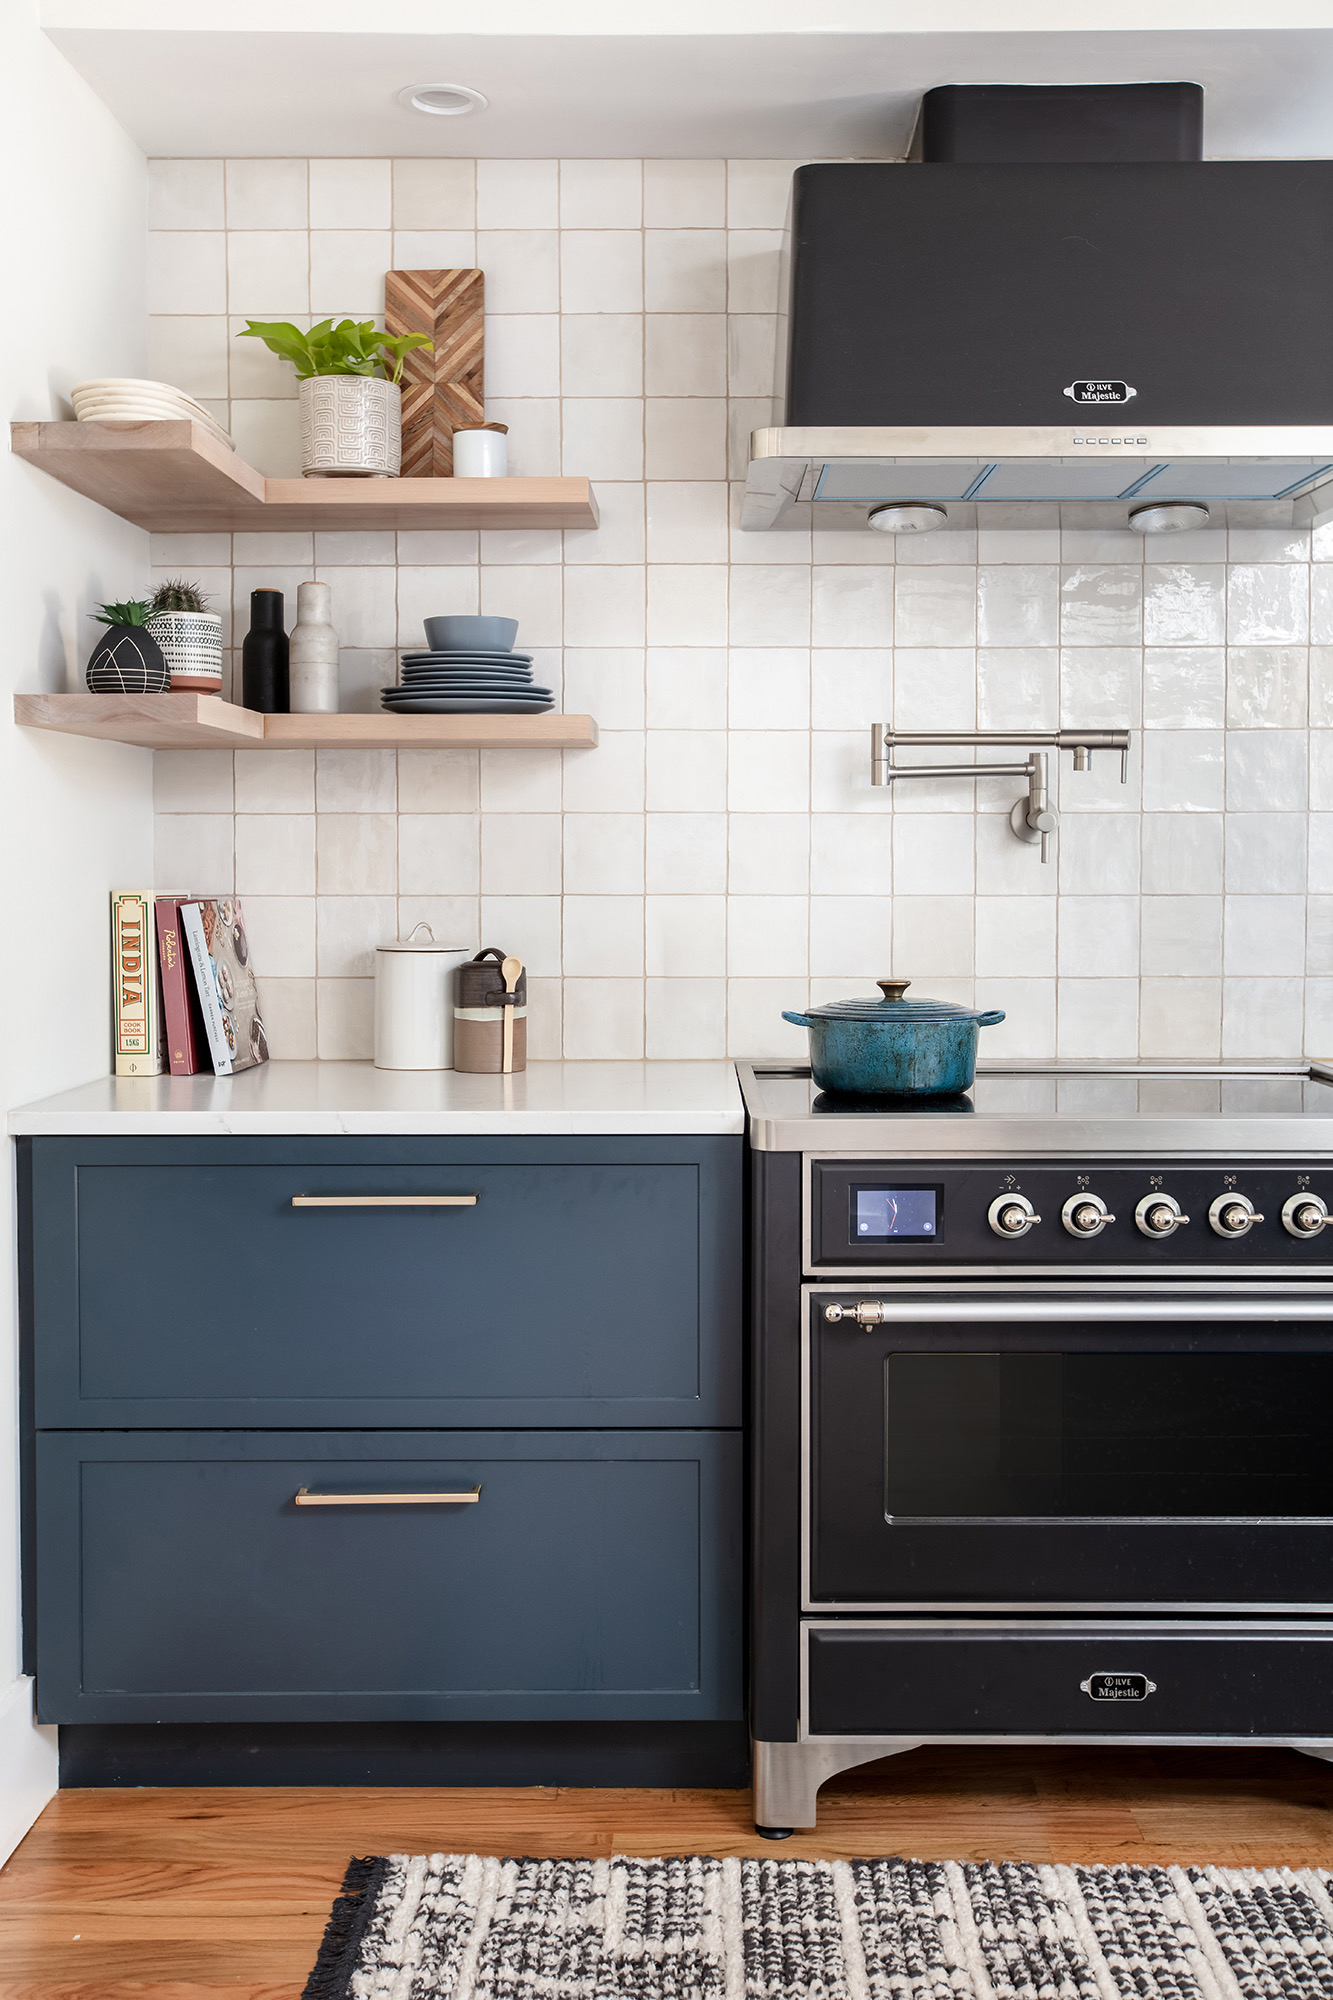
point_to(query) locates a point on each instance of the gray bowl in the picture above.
(471, 634)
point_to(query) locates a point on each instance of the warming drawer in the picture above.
(1157, 1679)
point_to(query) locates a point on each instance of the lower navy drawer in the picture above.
(597, 1576)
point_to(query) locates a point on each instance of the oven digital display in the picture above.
(880, 1213)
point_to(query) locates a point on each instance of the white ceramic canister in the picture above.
(312, 651)
(414, 1001)
(481, 451)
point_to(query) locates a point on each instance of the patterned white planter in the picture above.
(191, 643)
(351, 427)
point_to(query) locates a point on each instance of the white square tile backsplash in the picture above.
(722, 855)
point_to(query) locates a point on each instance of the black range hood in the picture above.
(1003, 325)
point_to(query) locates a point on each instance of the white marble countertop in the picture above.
(356, 1098)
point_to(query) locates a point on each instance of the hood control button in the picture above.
(1158, 1215)
(1086, 1215)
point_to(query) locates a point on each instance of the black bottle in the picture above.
(264, 655)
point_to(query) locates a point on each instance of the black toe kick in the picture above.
(713, 1754)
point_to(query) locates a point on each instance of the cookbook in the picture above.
(214, 932)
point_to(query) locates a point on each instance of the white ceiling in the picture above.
(267, 91)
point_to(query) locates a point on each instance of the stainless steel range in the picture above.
(1042, 1415)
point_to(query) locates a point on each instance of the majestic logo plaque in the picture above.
(1118, 1687)
(1100, 392)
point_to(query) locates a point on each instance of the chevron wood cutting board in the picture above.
(442, 387)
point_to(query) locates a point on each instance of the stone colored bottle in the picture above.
(313, 653)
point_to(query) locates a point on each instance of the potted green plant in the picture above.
(127, 658)
(350, 379)
(190, 636)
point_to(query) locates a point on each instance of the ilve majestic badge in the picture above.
(1118, 1687)
(1100, 392)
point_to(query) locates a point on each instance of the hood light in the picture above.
(1169, 517)
(442, 100)
(907, 518)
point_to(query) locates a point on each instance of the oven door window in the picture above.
(964, 1459)
(1087, 1436)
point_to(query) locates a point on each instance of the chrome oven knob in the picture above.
(1012, 1215)
(1159, 1215)
(1305, 1215)
(1085, 1215)
(1232, 1215)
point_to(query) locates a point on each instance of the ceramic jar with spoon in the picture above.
(491, 1014)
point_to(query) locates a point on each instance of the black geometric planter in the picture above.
(128, 661)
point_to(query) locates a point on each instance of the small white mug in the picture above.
(481, 452)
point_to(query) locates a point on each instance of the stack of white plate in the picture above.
(120, 399)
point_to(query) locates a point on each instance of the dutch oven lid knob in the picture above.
(893, 989)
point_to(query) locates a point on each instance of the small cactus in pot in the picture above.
(127, 658)
(190, 636)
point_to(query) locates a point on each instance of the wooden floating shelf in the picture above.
(175, 478)
(203, 722)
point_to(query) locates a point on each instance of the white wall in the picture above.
(722, 855)
(75, 817)
(680, 17)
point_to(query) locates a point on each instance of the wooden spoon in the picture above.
(510, 970)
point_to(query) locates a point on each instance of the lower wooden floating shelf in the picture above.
(203, 722)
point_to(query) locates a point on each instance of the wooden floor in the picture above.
(193, 1895)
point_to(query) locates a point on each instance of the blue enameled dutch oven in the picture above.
(894, 1047)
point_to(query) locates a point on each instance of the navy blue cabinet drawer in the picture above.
(596, 1576)
(589, 1282)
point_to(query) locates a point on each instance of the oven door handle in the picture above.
(899, 1312)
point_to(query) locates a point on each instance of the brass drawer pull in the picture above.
(384, 1200)
(305, 1498)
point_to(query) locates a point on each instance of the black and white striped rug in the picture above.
(473, 1927)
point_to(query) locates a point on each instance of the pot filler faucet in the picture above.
(1032, 819)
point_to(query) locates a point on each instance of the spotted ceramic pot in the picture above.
(191, 643)
(351, 427)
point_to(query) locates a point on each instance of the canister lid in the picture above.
(413, 943)
(481, 981)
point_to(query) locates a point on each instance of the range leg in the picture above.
(787, 1778)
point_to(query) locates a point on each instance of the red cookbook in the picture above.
(182, 1022)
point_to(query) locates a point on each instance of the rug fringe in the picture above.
(341, 1943)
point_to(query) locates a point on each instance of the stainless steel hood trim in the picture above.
(1226, 442)
(788, 466)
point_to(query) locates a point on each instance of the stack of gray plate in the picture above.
(467, 684)
(455, 677)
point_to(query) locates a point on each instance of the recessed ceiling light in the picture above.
(900, 517)
(442, 100)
